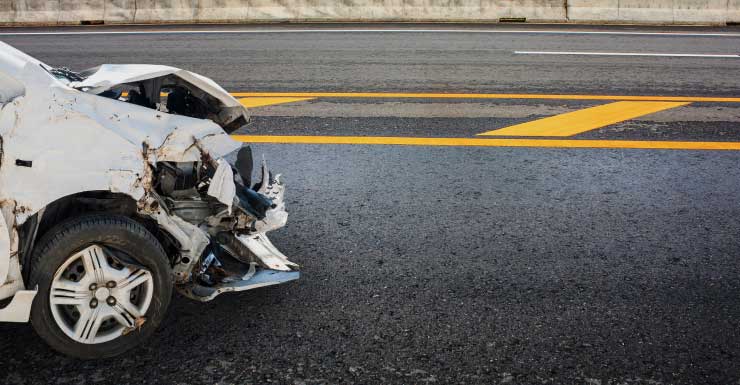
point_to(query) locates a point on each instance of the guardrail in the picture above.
(65, 12)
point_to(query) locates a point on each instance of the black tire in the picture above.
(113, 231)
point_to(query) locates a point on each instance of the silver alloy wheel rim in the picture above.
(109, 298)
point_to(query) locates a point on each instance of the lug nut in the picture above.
(93, 286)
(93, 303)
(110, 301)
(110, 284)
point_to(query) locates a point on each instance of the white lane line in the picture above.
(623, 54)
(267, 31)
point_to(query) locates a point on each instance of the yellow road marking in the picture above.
(471, 142)
(576, 122)
(486, 96)
(257, 101)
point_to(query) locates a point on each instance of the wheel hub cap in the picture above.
(102, 294)
(96, 299)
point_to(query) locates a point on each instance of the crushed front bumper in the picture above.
(243, 258)
(247, 278)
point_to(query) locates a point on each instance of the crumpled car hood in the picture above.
(148, 142)
(107, 76)
(103, 78)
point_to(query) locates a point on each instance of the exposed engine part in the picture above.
(140, 99)
(210, 196)
(183, 98)
(193, 211)
(148, 171)
(181, 101)
(209, 262)
(174, 176)
(246, 278)
(253, 202)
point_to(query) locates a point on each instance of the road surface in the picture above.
(513, 261)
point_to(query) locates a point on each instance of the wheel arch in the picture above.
(81, 204)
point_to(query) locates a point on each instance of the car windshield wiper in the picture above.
(66, 73)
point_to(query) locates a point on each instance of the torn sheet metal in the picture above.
(107, 76)
(193, 241)
(109, 136)
(222, 184)
(4, 248)
(276, 217)
(266, 252)
(249, 278)
(156, 135)
(155, 79)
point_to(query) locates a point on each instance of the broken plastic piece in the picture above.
(247, 279)
(263, 249)
(222, 185)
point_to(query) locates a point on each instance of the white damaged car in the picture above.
(115, 189)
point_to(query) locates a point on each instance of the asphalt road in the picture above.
(450, 264)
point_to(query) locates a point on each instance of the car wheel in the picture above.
(104, 284)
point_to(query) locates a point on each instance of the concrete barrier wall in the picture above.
(29, 12)
(150, 11)
(733, 11)
(60, 12)
(652, 11)
(72, 11)
(119, 11)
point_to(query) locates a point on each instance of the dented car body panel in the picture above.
(105, 134)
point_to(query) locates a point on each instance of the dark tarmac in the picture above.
(448, 264)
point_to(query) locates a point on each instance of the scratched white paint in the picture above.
(75, 141)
